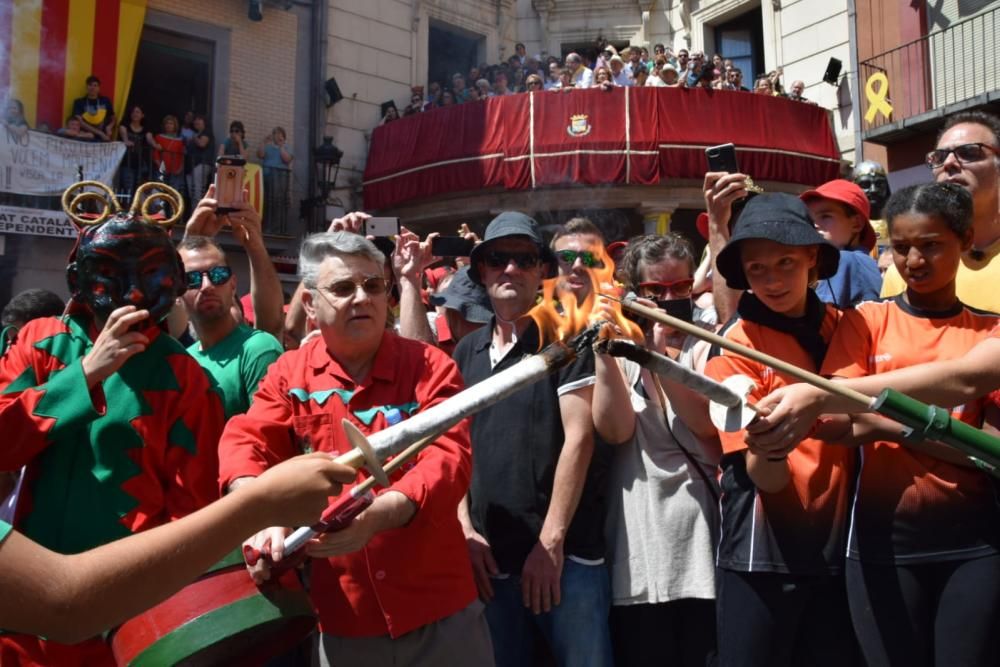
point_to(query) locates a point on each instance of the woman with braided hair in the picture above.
(662, 508)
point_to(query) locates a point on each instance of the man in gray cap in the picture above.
(533, 519)
(465, 305)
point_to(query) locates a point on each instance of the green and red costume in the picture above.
(136, 451)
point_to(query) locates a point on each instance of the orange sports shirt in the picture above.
(910, 507)
(799, 530)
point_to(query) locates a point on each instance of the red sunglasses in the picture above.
(679, 288)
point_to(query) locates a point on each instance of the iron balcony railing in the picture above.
(939, 69)
(137, 167)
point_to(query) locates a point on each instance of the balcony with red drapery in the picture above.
(626, 136)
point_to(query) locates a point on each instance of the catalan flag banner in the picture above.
(253, 181)
(48, 48)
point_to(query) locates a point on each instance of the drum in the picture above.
(223, 618)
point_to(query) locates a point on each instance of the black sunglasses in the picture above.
(217, 275)
(501, 260)
(373, 286)
(589, 259)
(964, 153)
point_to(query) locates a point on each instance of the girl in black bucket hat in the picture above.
(780, 587)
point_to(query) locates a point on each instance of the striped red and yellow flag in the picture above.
(48, 48)
(253, 180)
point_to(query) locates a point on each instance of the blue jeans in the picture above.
(576, 630)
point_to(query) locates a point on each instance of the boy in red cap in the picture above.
(840, 211)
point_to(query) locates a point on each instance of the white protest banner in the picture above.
(34, 221)
(36, 163)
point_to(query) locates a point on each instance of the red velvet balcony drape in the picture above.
(592, 137)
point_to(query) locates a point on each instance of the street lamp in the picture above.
(326, 165)
(326, 157)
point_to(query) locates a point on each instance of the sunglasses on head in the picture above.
(217, 275)
(587, 258)
(373, 286)
(678, 288)
(498, 259)
(964, 153)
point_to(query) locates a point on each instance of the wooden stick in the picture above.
(749, 353)
(397, 462)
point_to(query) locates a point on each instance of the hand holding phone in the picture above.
(722, 158)
(229, 182)
(382, 227)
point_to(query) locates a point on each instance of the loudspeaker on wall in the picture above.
(333, 94)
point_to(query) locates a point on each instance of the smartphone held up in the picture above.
(229, 182)
(382, 227)
(722, 158)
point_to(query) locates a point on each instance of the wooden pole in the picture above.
(749, 353)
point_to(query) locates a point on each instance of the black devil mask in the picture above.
(123, 259)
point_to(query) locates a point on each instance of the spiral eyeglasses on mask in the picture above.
(217, 275)
(975, 152)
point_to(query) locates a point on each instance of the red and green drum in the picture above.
(222, 618)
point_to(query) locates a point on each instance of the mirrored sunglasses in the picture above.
(217, 275)
(587, 258)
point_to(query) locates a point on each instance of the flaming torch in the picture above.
(410, 436)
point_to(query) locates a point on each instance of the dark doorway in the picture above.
(452, 50)
(173, 75)
(742, 41)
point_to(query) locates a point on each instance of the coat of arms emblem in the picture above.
(579, 125)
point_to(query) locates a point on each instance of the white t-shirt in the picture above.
(662, 519)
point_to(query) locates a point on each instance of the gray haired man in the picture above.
(395, 586)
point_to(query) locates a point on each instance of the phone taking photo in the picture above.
(722, 158)
(451, 246)
(382, 227)
(229, 182)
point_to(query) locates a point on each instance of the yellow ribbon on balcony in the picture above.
(877, 102)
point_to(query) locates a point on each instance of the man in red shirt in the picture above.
(396, 585)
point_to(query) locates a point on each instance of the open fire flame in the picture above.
(559, 316)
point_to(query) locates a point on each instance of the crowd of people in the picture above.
(608, 68)
(179, 150)
(600, 515)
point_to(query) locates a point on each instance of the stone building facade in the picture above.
(378, 50)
